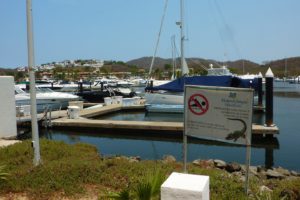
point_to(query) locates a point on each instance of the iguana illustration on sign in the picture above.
(239, 133)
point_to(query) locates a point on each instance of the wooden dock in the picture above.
(143, 125)
(59, 119)
(41, 116)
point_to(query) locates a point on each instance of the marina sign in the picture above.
(218, 113)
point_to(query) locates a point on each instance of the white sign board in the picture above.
(218, 113)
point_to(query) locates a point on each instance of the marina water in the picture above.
(282, 151)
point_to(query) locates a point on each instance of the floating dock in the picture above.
(143, 125)
(41, 116)
(85, 123)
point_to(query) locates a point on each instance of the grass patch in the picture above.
(64, 167)
(3, 174)
(72, 170)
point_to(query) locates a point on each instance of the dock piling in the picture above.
(269, 97)
(260, 92)
(102, 86)
(80, 87)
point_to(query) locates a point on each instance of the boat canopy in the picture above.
(177, 85)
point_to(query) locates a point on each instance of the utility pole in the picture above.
(34, 125)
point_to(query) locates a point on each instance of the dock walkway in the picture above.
(142, 125)
(84, 122)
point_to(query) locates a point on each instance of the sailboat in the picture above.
(168, 96)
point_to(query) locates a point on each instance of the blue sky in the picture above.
(257, 30)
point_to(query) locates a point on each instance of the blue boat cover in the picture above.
(177, 85)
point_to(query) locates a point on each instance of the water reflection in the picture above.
(143, 116)
(287, 94)
(154, 145)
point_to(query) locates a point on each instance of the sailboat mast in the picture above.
(182, 34)
(173, 56)
(158, 38)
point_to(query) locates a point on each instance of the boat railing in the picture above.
(111, 91)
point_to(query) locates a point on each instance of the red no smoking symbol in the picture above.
(198, 104)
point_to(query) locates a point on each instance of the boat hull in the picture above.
(163, 98)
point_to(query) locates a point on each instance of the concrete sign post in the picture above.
(218, 113)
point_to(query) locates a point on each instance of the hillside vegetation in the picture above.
(162, 68)
(277, 66)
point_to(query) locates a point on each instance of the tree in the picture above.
(233, 70)
(167, 67)
(19, 76)
(38, 75)
(106, 70)
(157, 73)
(134, 70)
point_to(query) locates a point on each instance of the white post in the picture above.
(34, 125)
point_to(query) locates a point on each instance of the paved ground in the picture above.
(4, 143)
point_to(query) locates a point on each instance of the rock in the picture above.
(210, 162)
(134, 159)
(242, 178)
(289, 194)
(243, 168)
(138, 158)
(261, 169)
(204, 163)
(220, 163)
(285, 172)
(264, 188)
(253, 170)
(233, 167)
(118, 157)
(274, 174)
(169, 159)
(294, 173)
(197, 162)
(239, 174)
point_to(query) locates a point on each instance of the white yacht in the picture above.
(44, 98)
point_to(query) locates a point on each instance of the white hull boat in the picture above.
(164, 98)
(45, 98)
(164, 108)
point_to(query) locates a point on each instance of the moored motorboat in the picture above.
(45, 98)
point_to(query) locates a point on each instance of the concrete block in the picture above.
(73, 112)
(185, 186)
(8, 120)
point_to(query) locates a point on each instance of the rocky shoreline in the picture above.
(240, 170)
(233, 168)
(236, 169)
